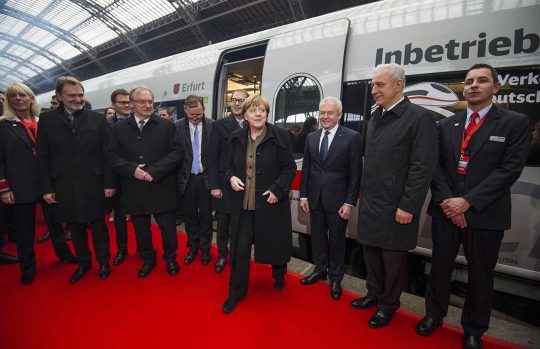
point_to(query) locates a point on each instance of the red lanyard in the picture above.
(465, 140)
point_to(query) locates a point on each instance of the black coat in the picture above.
(338, 178)
(113, 121)
(399, 160)
(159, 148)
(499, 150)
(19, 165)
(276, 169)
(219, 158)
(74, 165)
(182, 126)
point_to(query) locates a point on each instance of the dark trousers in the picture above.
(25, 222)
(197, 202)
(100, 241)
(481, 249)
(120, 224)
(239, 278)
(386, 276)
(328, 242)
(143, 235)
(7, 224)
(223, 233)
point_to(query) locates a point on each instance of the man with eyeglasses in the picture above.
(145, 151)
(219, 157)
(122, 109)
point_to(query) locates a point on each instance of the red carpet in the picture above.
(185, 311)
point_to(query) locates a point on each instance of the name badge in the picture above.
(497, 139)
(462, 164)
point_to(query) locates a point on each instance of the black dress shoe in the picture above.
(472, 342)
(79, 273)
(279, 282)
(120, 257)
(380, 319)
(44, 237)
(146, 269)
(206, 258)
(104, 271)
(220, 264)
(70, 259)
(6, 258)
(363, 303)
(313, 278)
(68, 235)
(229, 304)
(335, 290)
(173, 268)
(190, 257)
(428, 325)
(27, 279)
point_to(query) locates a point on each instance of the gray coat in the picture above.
(399, 161)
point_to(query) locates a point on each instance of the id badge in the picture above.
(462, 164)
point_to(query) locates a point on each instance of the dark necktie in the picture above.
(472, 123)
(324, 146)
(71, 122)
(141, 125)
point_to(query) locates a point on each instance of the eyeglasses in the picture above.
(144, 102)
(235, 100)
(122, 103)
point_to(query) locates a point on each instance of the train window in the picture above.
(297, 109)
(357, 103)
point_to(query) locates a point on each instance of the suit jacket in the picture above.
(74, 165)
(336, 181)
(113, 121)
(159, 148)
(19, 166)
(498, 154)
(182, 126)
(219, 158)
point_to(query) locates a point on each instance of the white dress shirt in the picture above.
(480, 116)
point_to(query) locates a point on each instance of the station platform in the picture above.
(185, 310)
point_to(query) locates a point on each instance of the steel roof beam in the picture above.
(297, 9)
(16, 73)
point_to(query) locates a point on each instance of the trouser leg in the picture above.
(169, 238)
(319, 238)
(336, 246)
(191, 211)
(101, 240)
(205, 215)
(239, 278)
(223, 226)
(120, 224)
(79, 237)
(61, 248)
(375, 271)
(395, 278)
(279, 269)
(25, 222)
(143, 236)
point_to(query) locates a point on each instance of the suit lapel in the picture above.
(338, 137)
(314, 143)
(456, 133)
(231, 124)
(60, 114)
(20, 131)
(491, 121)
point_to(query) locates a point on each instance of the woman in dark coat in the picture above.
(309, 126)
(20, 182)
(260, 171)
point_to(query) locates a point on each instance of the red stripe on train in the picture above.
(296, 181)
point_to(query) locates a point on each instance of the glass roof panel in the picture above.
(27, 71)
(42, 62)
(66, 15)
(7, 63)
(10, 25)
(39, 36)
(20, 52)
(64, 50)
(135, 13)
(3, 43)
(104, 3)
(95, 33)
(32, 7)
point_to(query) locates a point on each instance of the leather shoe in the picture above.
(79, 273)
(279, 282)
(27, 279)
(146, 269)
(104, 271)
(190, 257)
(70, 259)
(335, 291)
(173, 268)
(220, 264)
(472, 342)
(313, 278)
(68, 235)
(120, 257)
(6, 258)
(380, 319)
(229, 304)
(44, 237)
(428, 325)
(364, 303)
(206, 258)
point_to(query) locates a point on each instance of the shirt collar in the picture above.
(385, 110)
(333, 130)
(481, 113)
(16, 118)
(137, 119)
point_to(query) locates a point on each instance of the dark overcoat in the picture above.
(74, 165)
(159, 148)
(19, 165)
(182, 127)
(399, 160)
(276, 169)
(219, 158)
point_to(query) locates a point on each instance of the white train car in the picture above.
(296, 65)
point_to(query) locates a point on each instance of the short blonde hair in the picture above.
(255, 100)
(63, 80)
(18, 87)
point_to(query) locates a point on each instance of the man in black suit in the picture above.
(122, 109)
(193, 178)
(71, 147)
(331, 172)
(219, 158)
(145, 151)
(482, 152)
(399, 160)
